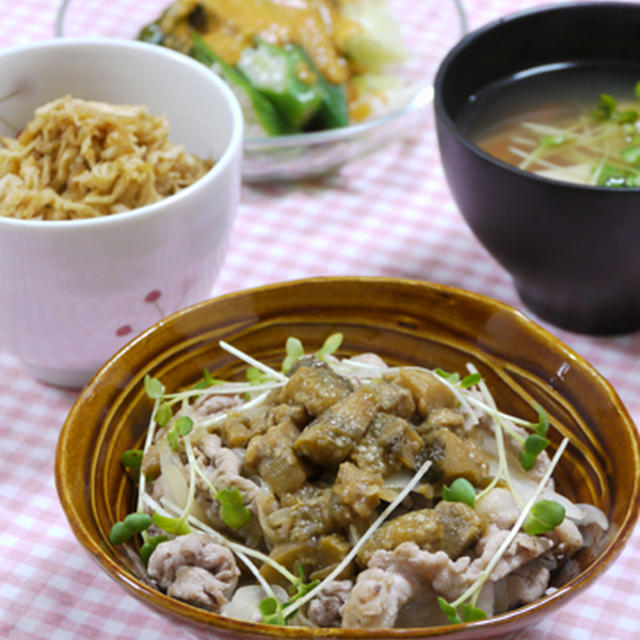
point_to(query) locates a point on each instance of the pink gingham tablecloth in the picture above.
(390, 214)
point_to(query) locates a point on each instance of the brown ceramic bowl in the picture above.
(405, 322)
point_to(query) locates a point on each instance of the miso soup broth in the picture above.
(571, 123)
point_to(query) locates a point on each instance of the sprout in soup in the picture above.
(575, 124)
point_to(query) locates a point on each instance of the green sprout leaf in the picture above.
(138, 522)
(153, 387)
(183, 425)
(461, 490)
(636, 90)
(132, 459)
(533, 446)
(451, 378)
(294, 351)
(330, 346)
(120, 533)
(551, 142)
(471, 613)
(233, 511)
(612, 176)
(527, 460)
(468, 612)
(125, 530)
(605, 107)
(299, 588)
(163, 414)
(271, 612)
(177, 526)
(454, 378)
(626, 117)
(207, 380)
(174, 441)
(255, 376)
(470, 381)
(449, 610)
(631, 155)
(544, 516)
(542, 426)
(150, 546)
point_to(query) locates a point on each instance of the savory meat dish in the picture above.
(83, 159)
(347, 493)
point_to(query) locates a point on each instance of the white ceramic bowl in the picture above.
(73, 292)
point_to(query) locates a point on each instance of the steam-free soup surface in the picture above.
(571, 123)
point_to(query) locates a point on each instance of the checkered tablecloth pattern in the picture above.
(390, 214)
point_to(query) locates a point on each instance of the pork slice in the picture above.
(451, 578)
(195, 569)
(514, 446)
(566, 538)
(419, 567)
(222, 466)
(498, 507)
(369, 358)
(217, 457)
(325, 610)
(209, 405)
(198, 586)
(399, 576)
(376, 599)
(523, 549)
(526, 584)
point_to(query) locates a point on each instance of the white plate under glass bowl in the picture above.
(429, 28)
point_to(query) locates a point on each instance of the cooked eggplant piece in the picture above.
(390, 444)
(272, 456)
(428, 391)
(454, 457)
(451, 527)
(316, 387)
(316, 556)
(331, 436)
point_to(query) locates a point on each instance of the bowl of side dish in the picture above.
(466, 341)
(117, 201)
(320, 83)
(537, 123)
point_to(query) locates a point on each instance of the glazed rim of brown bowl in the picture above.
(405, 321)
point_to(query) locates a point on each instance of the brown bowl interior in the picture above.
(406, 322)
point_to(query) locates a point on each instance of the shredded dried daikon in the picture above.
(83, 159)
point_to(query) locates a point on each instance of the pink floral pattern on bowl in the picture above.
(151, 298)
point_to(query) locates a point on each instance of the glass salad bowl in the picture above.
(428, 31)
